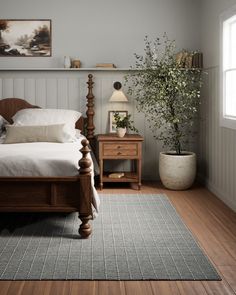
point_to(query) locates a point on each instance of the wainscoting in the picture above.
(218, 144)
(68, 89)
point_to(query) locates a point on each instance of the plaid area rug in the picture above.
(135, 237)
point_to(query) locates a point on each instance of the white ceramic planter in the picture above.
(177, 172)
(120, 132)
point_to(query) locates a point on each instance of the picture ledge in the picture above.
(64, 69)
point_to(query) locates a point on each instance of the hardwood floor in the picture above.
(212, 223)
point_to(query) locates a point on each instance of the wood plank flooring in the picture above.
(212, 223)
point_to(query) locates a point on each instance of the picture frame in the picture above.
(112, 125)
(25, 38)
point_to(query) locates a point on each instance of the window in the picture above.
(228, 69)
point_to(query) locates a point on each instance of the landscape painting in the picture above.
(25, 38)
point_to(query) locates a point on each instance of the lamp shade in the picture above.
(118, 95)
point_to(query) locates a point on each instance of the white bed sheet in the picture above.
(39, 159)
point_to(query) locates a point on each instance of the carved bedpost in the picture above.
(90, 110)
(85, 207)
(85, 162)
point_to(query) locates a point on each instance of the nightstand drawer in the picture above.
(121, 149)
(120, 146)
(120, 153)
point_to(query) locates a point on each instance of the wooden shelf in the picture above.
(82, 69)
(67, 70)
(129, 177)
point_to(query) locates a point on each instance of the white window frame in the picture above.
(225, 121)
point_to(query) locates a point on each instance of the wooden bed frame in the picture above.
(52, 194)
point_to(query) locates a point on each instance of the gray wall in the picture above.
(96, 31)
(218, 144)
(104, 30)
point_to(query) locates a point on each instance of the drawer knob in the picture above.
(119, 153)
(118, 147)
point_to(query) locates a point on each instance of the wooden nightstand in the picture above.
(112, 147)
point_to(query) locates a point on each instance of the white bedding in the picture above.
(42, 159)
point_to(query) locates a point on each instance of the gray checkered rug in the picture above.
(135, 237)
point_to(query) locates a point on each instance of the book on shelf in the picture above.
(190, 59)
(197, 60)
(184, 59)
(200, 60)
(105, 65)
(116, 175)
(179, 58)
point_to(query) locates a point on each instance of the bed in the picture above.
(72, 192)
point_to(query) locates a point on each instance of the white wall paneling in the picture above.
(18, 87)
(40, 92)
(218, 144)
(7, 87)
(68, 89)
(30, 90)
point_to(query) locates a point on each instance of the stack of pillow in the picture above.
(42, 125)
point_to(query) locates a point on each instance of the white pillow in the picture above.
(35, 117)
(45, 133)
(3, 123)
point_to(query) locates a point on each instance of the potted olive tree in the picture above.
(169, 95)
(123, 123)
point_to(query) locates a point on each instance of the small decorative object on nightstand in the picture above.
(128, 147)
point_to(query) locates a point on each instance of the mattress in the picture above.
(43, 159)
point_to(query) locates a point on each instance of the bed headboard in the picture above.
(10, 106)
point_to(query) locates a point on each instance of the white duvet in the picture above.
(42, 159)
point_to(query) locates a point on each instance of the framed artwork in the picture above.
(19, 37)
(112, 125)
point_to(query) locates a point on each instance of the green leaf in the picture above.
(167, 94)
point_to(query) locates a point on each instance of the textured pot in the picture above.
(177, 172)
(120, 132)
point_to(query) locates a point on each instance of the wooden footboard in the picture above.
(51, 194)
